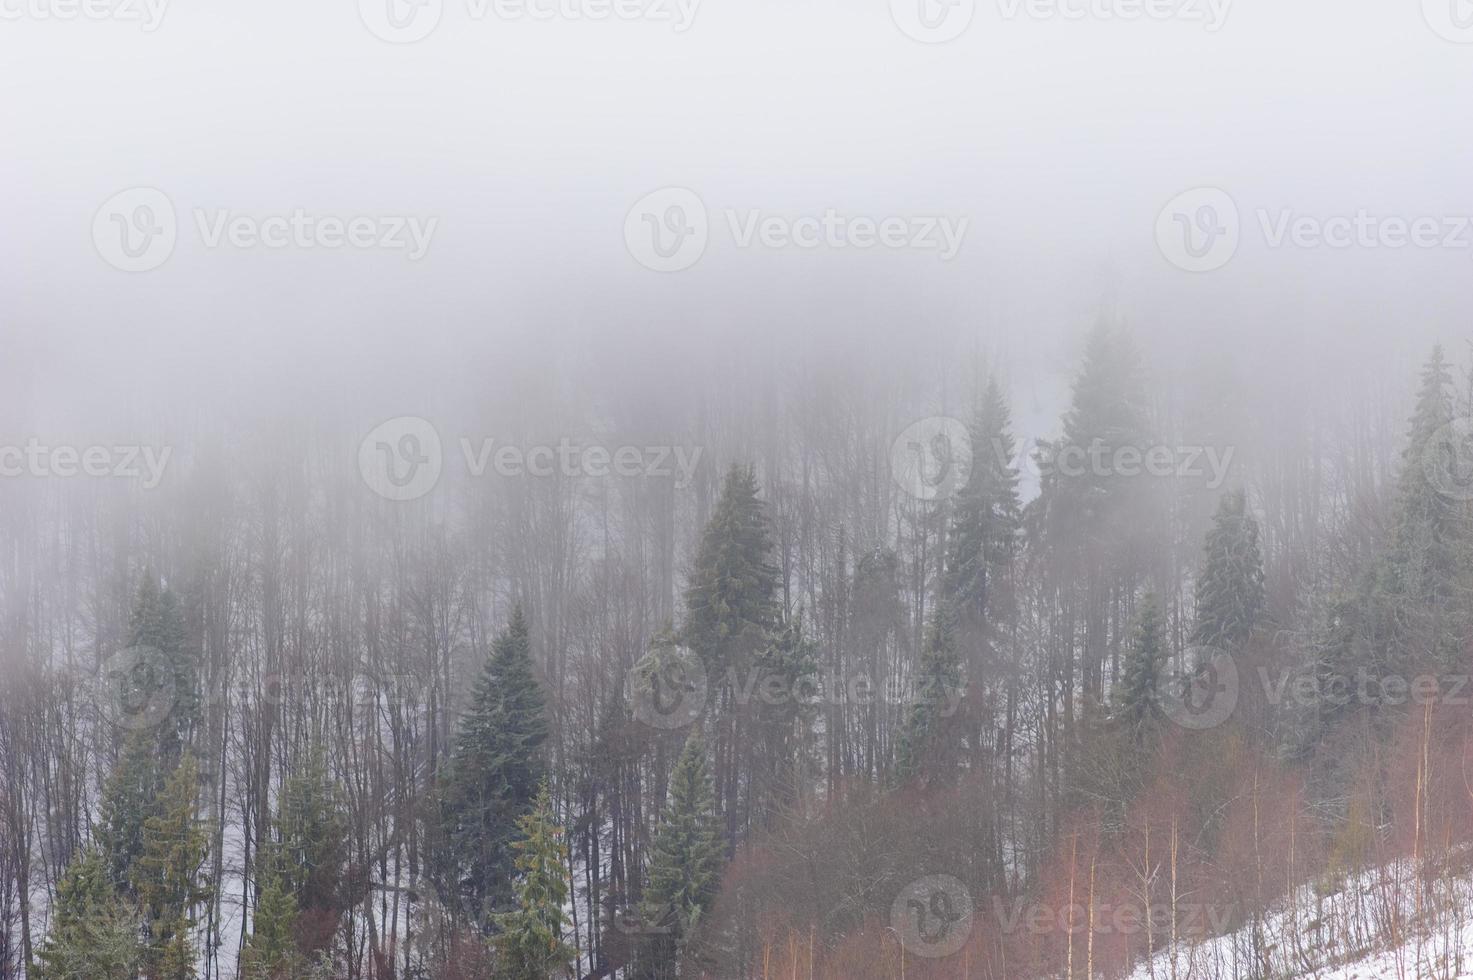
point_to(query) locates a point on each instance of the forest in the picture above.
(855, 695)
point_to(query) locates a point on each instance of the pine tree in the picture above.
(126, 800)
(1230, 590)
(166, 875)
(731, 612)
(927, 746)
(271, 952)
(94, 933)
(494, 774)
(530, 944)
(730, 604)
(787, 669)
(1135, 696)
(156, 629)
(685, 867)
(1421, 575)
(313, 850)
(985, 524)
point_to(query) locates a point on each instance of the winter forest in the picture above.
(650, 490)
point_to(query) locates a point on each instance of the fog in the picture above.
(1058, 140)
(337, 288)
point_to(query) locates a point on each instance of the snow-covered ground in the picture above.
(1381, 923)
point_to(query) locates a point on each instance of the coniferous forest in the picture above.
(664, 490)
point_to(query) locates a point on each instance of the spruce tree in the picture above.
(271, 952)
(313, 850)
(1230, 589)
(927, 746)
(126, 801)
(731, 601)
(685, 867)
(530, 943)
(494, 775)
(1424, 570)
(731, 613)
(985, 524)
(787, 671)
(94, 933)
(166, 875)
(156, 628)
(1135, 696)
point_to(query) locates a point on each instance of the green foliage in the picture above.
(126, 801)
(1134, 698)
(984, 527)
(787, 670)
(685, 867)
(1230, 589)
(271, 952)
(157, 623)
(313, 847)
(166, 875)
(94, 933)
(927, 744)
(730, 604)
(530, 943)
(494, 775)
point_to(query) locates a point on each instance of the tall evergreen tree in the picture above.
(530, 943)
(986, 520)
(126, 801)
(731, 612)
(94, 933)
(1230, 589)
(928, 744)
(156, 626)
(1420, 576)
(1135, 696)
(166, 875)
(494, 775)
(313, 850)
(685, 867)
(731, 601)
(271, 952)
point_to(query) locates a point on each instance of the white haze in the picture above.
(1059, 141)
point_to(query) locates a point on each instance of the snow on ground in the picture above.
(1375, 926)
